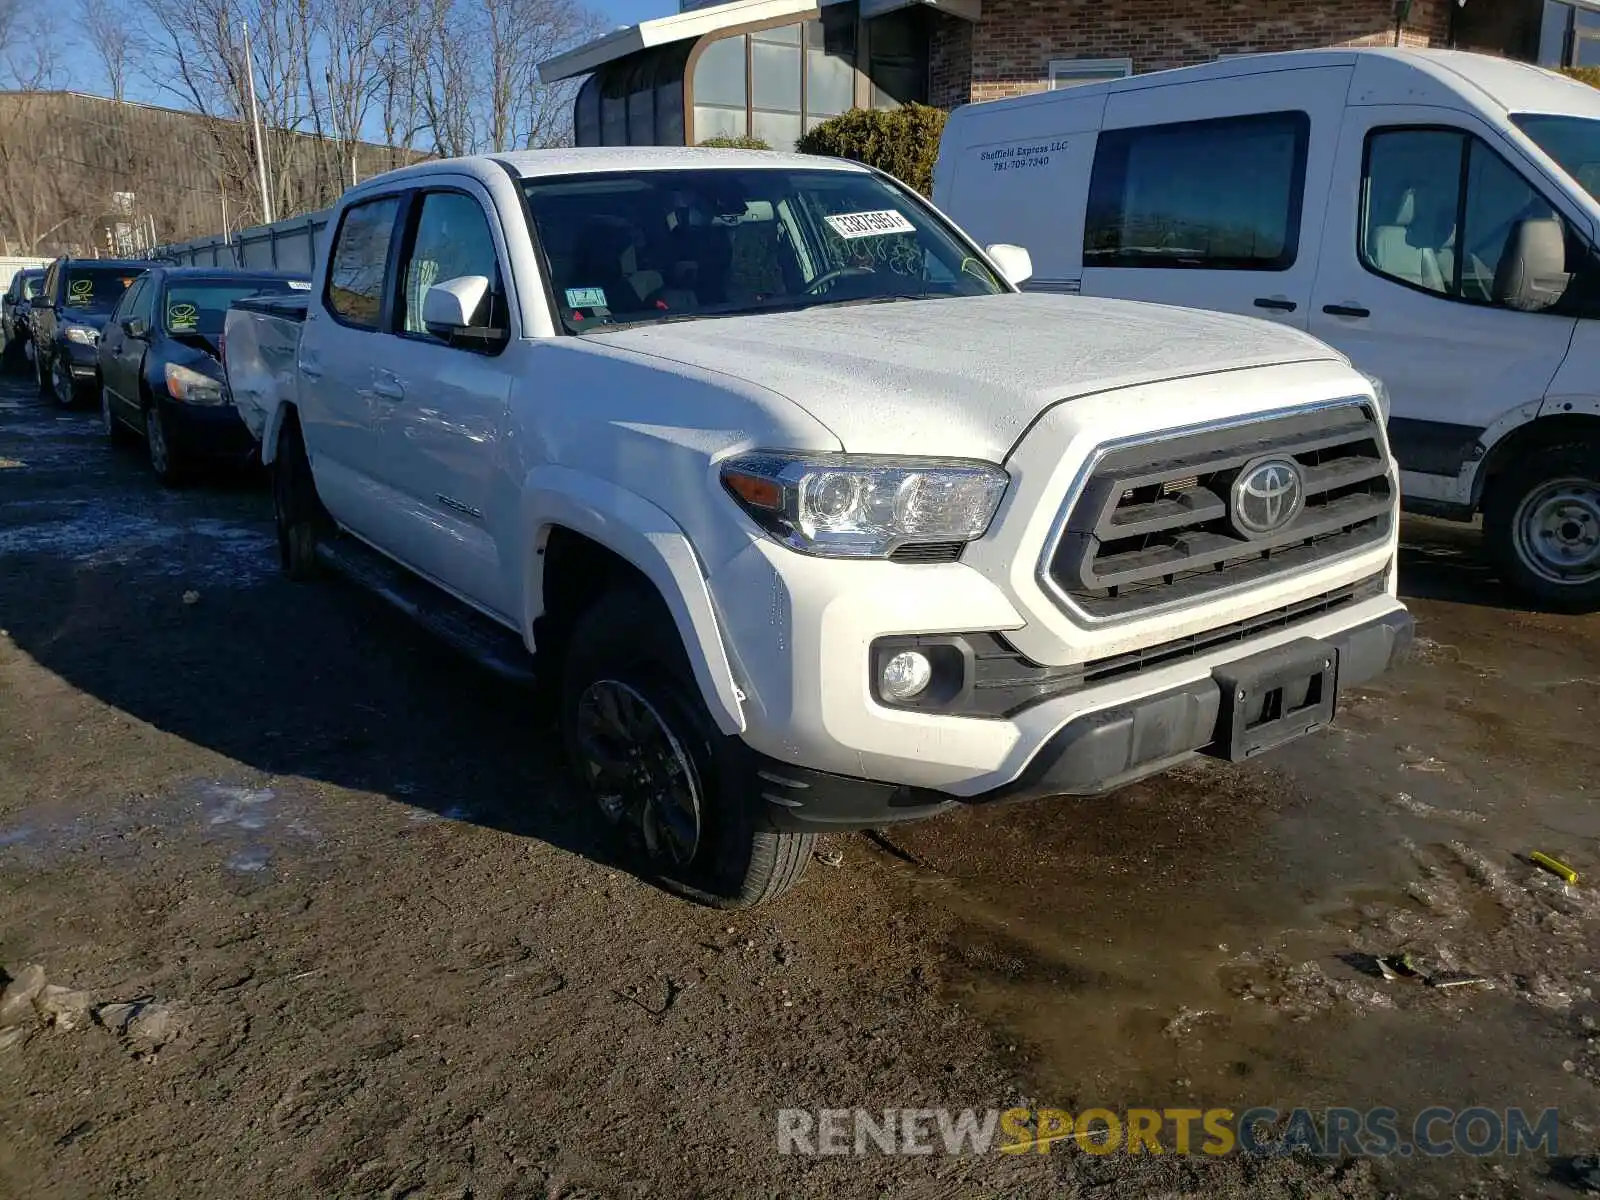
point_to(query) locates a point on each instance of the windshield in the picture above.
(1574, 142)
(200, 306)
(626, 248)
(97, 289)
(31, 285)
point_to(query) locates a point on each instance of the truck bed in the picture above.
(260, 338)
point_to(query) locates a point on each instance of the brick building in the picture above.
(773, 68)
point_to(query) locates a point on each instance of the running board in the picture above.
(485, 641)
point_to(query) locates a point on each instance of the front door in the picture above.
(1212, 195)
(447, 400)
(121, 354)
(1418, 226)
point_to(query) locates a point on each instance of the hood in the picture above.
(78, 316)
(964, 376)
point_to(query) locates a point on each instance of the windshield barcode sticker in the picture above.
(869, 224)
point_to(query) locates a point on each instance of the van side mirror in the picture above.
(452, 308)
(1015, 263)
(1532, 274)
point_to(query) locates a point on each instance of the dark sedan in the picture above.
(160, 369)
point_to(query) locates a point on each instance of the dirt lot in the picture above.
(375, 948)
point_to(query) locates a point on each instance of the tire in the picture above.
(298, 514)
(1541, 523)
(117, 433)
(61, 385)
(164, 459)
(631, 714)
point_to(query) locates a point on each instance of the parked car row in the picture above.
(144, 342)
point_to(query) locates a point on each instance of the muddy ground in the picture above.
(375, 948)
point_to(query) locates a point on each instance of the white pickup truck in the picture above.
(814, 521)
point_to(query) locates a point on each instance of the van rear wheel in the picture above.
(675, 790)
(1542, 525)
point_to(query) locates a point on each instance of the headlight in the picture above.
(84, 335)
(191, 387)
(1381, 394)
(854, 506)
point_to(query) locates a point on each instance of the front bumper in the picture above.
(1094, 753)
(82, 363)
(206, 431)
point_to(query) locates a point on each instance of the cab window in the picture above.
(451, 239)
(359, 263)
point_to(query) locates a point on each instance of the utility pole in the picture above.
(255, 122)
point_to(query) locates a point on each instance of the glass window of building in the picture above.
(830, 65)
(613, 118)
(897, 51)
(586, 113)
(720, 108)
(775, 69)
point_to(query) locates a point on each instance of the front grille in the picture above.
(1153, 526)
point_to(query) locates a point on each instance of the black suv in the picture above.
(14, 307)
(71, 310)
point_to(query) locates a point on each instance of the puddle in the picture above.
(1207, 938)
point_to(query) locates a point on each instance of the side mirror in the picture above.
(1532, 273)
(451, 308)
(1015, 263)
(134, 327)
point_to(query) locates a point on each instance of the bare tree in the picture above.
(109, 35)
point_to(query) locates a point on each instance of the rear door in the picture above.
(1212, 194)
(340, 350)
(1417, 228)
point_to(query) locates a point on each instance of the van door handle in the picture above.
(1276, 303)
(388, 386)
(1346, 310)
(309, 369)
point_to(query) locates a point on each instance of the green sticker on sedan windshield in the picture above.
(586, 297)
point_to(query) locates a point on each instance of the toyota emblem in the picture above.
(1267, 496)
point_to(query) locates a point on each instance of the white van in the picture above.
(1430, 213)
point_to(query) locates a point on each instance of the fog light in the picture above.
(906, 675)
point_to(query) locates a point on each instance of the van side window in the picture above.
(1222, 195)
(359, 263)
(1441, 210)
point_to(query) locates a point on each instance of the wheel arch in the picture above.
(280, 412)
(583, 535)
(1552, 429)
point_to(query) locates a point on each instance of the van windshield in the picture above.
(1574, 142)
(627, 248)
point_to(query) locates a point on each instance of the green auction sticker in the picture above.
(183, 316)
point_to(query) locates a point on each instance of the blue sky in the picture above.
(84, 74)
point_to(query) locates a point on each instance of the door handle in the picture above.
(1276, 303)
(387, 386)
(309, 369)
(1346, 310)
